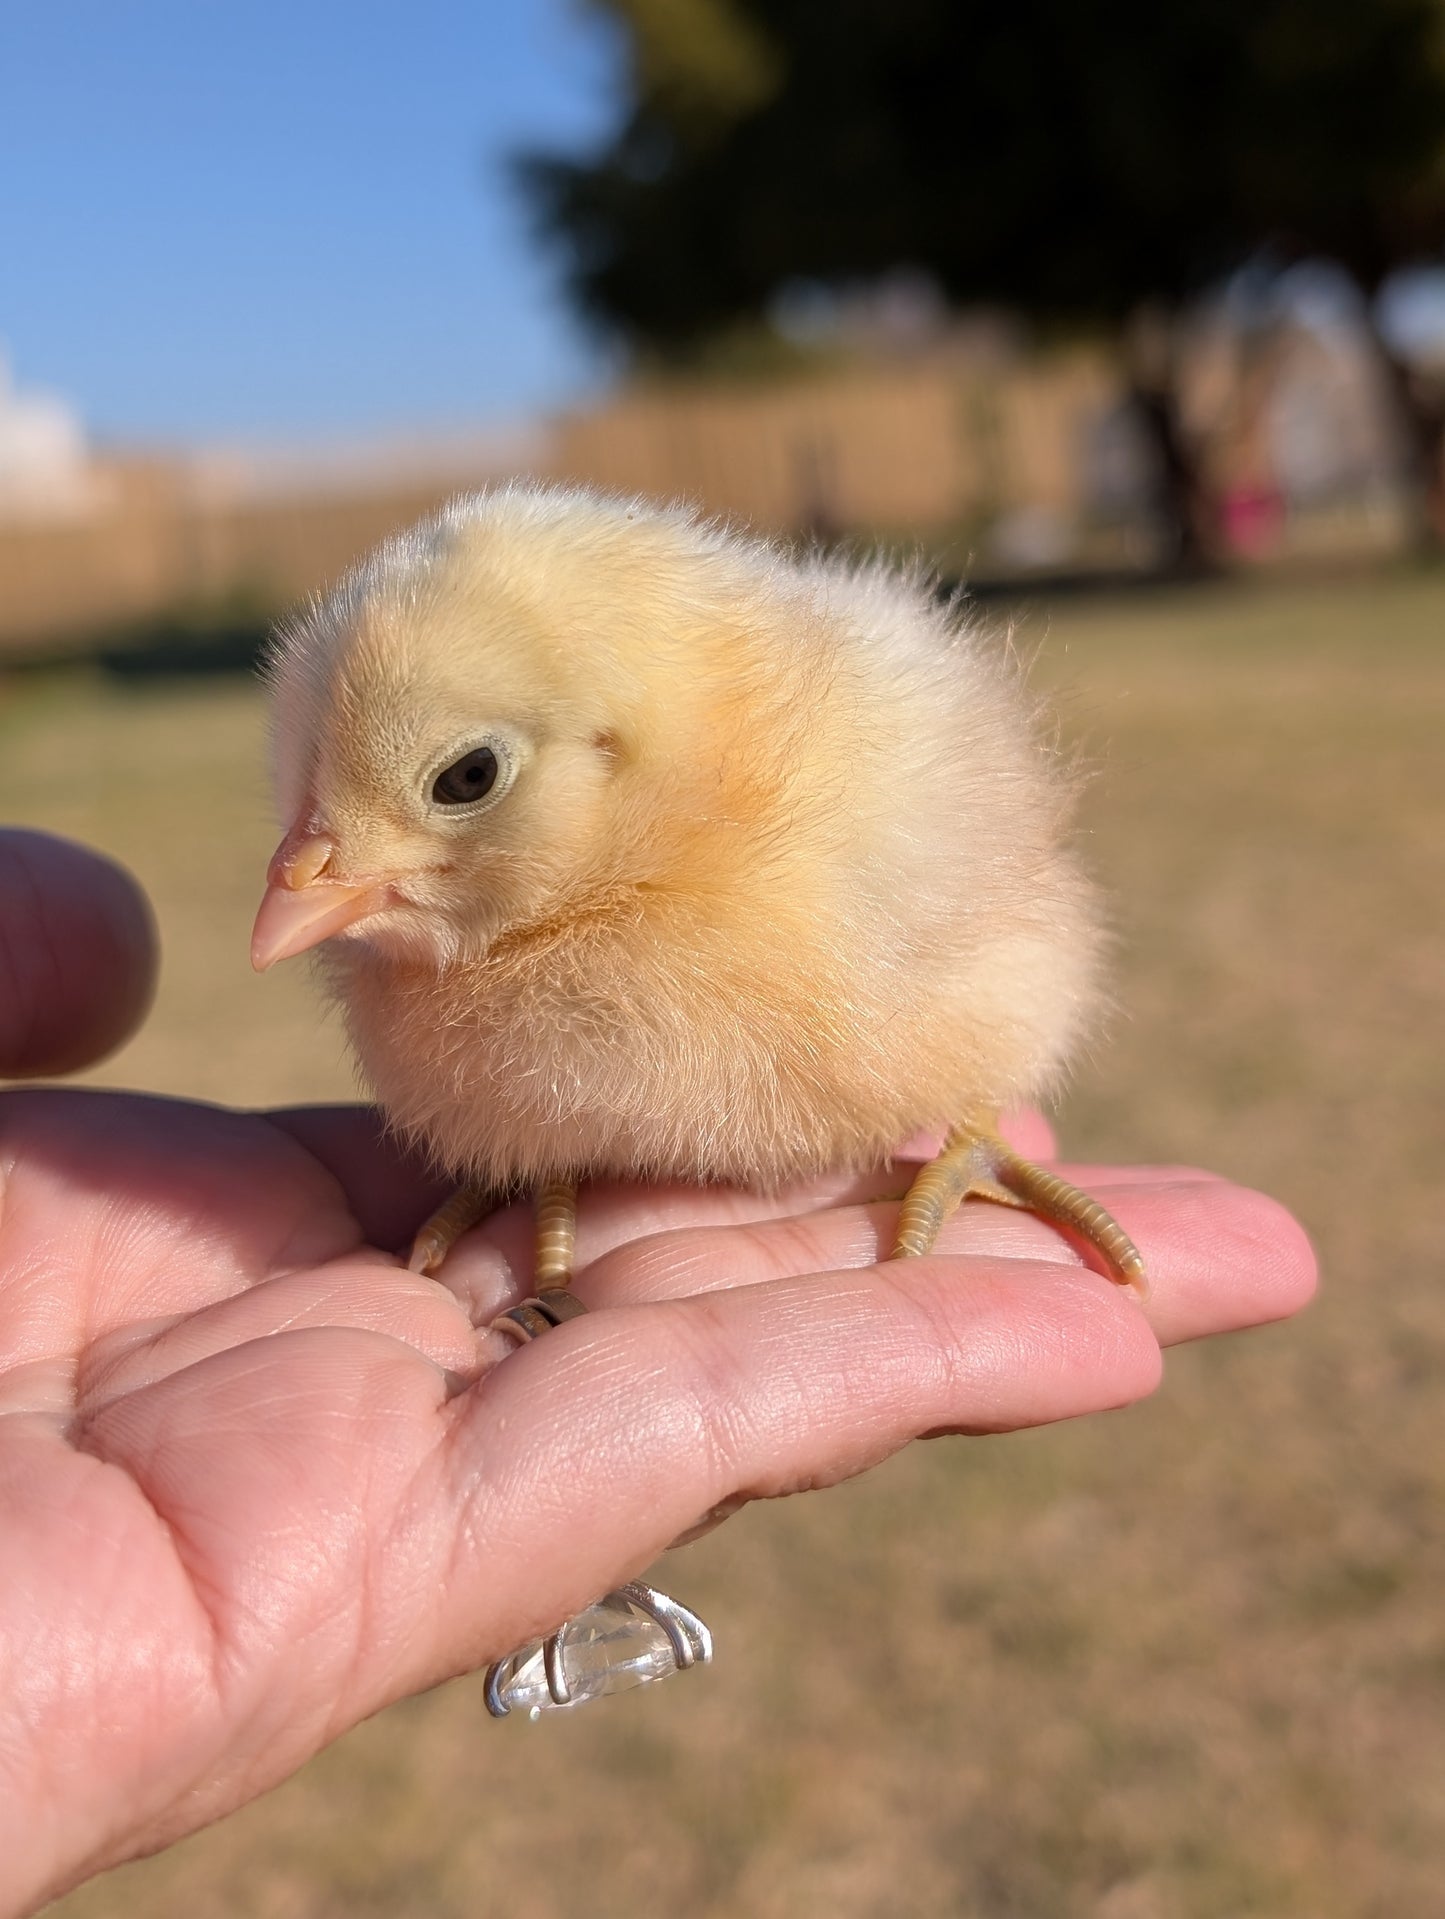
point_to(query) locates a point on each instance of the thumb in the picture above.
(78, 955)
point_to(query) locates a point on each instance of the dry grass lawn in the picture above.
(1183, 1663)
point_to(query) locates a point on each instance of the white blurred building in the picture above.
(45, 464)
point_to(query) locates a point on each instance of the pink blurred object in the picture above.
(1252, 518)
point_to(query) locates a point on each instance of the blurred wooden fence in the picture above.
(907, 449)
(153, 548)
(899, 449)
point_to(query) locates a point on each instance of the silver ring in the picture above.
(630, 1637)
(633, 1636)
(538, 1315)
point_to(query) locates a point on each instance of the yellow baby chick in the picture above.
(644, 850)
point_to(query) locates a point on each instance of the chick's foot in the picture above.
(556, 1239)
(556, 1214)
(441, 1232)
(975, 1163)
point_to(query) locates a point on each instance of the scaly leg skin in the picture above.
(553, 1301)
(441, 1232)
(976, 1163)
(556, 1207)
(556, 1210)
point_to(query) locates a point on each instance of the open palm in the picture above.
(257, 1480)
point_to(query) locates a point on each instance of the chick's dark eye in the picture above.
(472, 777)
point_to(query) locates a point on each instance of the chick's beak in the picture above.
(304, 903)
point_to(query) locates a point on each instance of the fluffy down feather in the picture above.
(774, 874)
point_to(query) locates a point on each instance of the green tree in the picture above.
(1084, 164)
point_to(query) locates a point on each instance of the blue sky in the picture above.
(272, 220)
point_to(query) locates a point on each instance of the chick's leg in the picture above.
(975, 1163)
(441, 1232)
(556, 1241)
(556, 1207)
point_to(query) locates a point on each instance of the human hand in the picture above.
(257, 1481)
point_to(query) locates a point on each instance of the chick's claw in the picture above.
(556, 1235)
(975, 1163)
(457, 1215)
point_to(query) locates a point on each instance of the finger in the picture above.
(1029, 1133)
(78, 955)
(390, 1187)
(364, 1292)
(119, 1209)
(1025, 1129)
(612, 1216)
(1219, 1257)
(491, 1267)
(582, 1455)
(350, 1535)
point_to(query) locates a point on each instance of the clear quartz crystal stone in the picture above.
(610, 1647)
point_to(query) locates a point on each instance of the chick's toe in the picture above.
(439, 1234)
(976, 1164)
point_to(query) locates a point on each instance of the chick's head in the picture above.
(456, 740)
